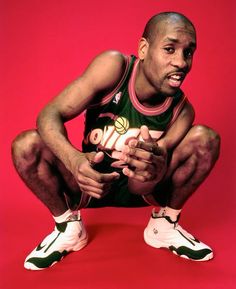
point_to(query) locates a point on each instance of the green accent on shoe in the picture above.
(192, 240)
(41, 247)
(61, 227)
(48, 261)
(191, 254)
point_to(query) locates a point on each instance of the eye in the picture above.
(169, 49)
(188, 53)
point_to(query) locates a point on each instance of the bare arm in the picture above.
(179, 128)
(102, 75)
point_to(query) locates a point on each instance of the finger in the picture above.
(139, 164)
(136, 153)
(145, 134)
(108, 178)
(141, 176)
(88, 181)
(151, 147)
(92, 194)
(87, 171)
(95, 191)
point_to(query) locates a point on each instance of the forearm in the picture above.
(52, 130)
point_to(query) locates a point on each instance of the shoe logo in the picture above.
(155, 231)
(191, 240)
(40, 247)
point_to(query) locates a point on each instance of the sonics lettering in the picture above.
(110, 139)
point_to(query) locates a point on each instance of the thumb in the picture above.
(97, 158)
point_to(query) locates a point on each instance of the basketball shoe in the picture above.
(67, 237)
(162, 232)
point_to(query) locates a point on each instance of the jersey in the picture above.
(117, 118)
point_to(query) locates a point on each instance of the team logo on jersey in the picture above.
(117, 97)
(121, 125)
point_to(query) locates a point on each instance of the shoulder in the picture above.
(111, 57)
(105, 70)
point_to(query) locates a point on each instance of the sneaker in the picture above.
(67, 237)
(162, 232)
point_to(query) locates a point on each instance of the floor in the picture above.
(116, 256)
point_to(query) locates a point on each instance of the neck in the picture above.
(147, 94)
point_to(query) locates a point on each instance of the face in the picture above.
(166, 60)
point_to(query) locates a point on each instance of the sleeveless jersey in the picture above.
(117, 118)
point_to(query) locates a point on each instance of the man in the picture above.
(140, 146)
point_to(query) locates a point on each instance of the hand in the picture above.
(146, 161)
(89, 180)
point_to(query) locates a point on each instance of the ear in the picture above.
(142, 48)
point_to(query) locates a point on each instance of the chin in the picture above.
(171, 92)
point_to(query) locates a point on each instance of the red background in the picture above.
(45, 45)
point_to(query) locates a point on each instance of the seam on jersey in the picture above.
(109, 96)
(149, 111)
(177, 110)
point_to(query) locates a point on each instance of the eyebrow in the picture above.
(174, 40)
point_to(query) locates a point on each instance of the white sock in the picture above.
(161, 212)
(172, 213)
(64, 217)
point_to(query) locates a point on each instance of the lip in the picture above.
(175, 79)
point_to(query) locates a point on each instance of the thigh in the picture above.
(192, 159)
(199, 148)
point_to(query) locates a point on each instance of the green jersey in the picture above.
(117, 118)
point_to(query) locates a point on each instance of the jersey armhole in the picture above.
(177, 109)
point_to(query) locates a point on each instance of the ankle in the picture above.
(65, 216)
(169, 212)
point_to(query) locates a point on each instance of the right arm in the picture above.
(101, 76)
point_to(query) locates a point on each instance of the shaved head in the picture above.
(155, 23)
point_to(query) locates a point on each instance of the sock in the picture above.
(172, 213)
(161, 212)
(64, 217)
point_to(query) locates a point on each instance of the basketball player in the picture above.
(140, 146)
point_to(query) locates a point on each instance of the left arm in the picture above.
(147, 160)
(179, 128)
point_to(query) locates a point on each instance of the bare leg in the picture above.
(42, 171)
(191, 162)
(48, 179)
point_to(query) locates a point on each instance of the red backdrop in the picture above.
(46, 44)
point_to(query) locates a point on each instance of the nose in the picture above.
(180, 61)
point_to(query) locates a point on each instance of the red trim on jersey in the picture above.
(177, 110)
(141, 108)
(109, 96)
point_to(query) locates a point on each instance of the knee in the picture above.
(25, 147)
(206, 143)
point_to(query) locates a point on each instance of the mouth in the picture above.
(175, 79)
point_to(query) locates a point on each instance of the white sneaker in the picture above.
(161, 232)
(67, 237)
